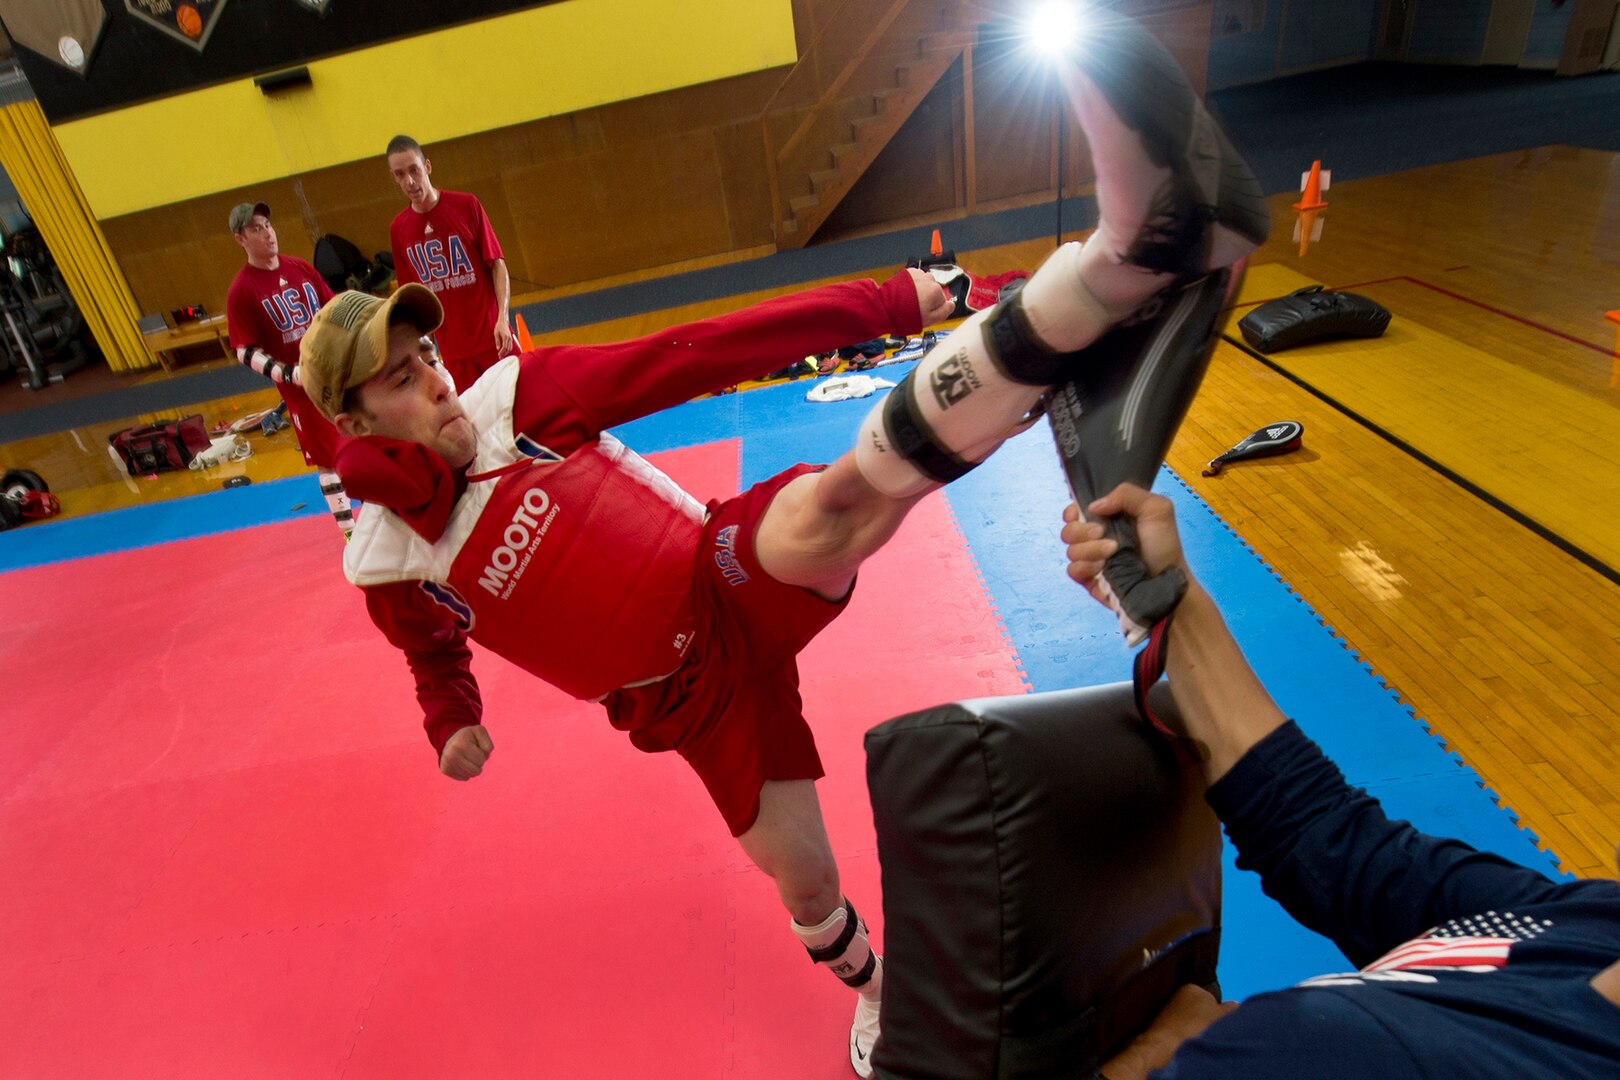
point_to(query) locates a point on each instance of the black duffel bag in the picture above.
(1310, 314)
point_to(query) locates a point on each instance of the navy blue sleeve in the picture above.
(1269, 1037)
(1339, 866)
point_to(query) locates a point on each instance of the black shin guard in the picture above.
(973, 390)
(1209, 185)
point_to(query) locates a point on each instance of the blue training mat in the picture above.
(160, 523)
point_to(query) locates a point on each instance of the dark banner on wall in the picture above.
(189, 22)
(89, 56)
(64, 32)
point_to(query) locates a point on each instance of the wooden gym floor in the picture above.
(1491, 402)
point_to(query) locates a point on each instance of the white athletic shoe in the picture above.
(863, 1035)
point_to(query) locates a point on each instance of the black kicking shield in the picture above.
(1051, 874)
(1113, 422)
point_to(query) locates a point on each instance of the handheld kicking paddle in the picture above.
(1114, 421)
(1278, 438)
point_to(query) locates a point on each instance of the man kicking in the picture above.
(509, 515)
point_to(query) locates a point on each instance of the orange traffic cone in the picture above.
(1307, 228)
(934, 246)
(525, 342)
(1614, 369)
(1310, 205)
(1312, 199)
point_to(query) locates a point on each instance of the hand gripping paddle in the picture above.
(1114, 421)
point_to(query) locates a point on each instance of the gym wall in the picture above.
(148, 56)
(514, 67)
(616, 187)
(1256, 40)
(926, 172)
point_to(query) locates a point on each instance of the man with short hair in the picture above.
(270, 304)
(509, 515)
(444, 240)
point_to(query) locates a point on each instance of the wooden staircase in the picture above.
(849, 94)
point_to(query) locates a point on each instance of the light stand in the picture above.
(1063, 157)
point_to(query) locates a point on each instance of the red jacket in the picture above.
(566, 396)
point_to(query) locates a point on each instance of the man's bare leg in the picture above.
(822, 526)
(1173, 200)
(789, 842)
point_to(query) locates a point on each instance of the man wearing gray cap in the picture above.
(269, 305)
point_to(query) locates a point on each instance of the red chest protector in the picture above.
(581, 571)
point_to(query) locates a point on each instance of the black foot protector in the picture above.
(1114, 421)
(1210, 185)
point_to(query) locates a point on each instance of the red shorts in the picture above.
(317, 438)
(733, 709)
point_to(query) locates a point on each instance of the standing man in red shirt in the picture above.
(444, 240)
(268, 307)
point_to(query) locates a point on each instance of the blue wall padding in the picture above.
(1549, 24)
(1337, 33)
(1449, 30)
(794, 266)
(1239, 58)
(199, 389)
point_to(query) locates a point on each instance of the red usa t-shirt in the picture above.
(270, 310)
(449, 249)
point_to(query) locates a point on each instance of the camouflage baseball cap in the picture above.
(347, 343)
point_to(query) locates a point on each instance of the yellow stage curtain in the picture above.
(37, 167)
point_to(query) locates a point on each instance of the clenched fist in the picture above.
(933, 301)
(464, 755)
